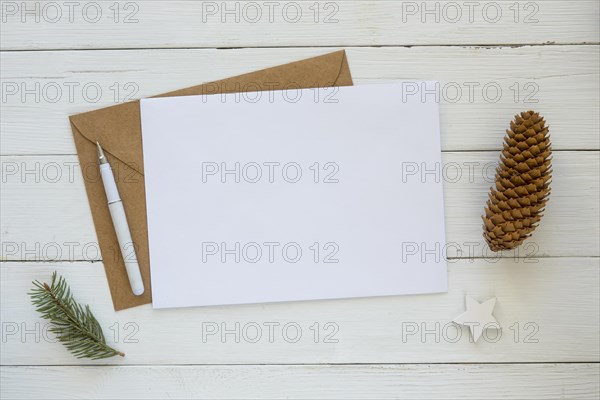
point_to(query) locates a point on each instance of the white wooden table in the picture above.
(493, 60)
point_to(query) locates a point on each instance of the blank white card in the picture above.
(293, 195)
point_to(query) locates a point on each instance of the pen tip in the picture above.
(101, 156)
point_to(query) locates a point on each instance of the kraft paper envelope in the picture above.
(118, 129)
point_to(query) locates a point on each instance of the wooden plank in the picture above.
(148, 24)
(39, 192)
(439, 381)
(477, 87)
(536, 303)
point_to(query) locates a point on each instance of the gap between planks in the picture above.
(367, 46)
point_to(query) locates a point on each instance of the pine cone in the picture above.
(515, 206)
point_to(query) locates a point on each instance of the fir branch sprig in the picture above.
(75, 326)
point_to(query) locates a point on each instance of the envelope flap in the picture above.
(322, 71)
(118, 128)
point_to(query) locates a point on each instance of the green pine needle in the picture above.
(75, 326)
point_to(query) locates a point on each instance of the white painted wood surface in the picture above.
(548, 292)
(184, 23)
(543, 320)
(477, 85)
(523, 381)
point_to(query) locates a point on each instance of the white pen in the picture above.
(117, 213)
